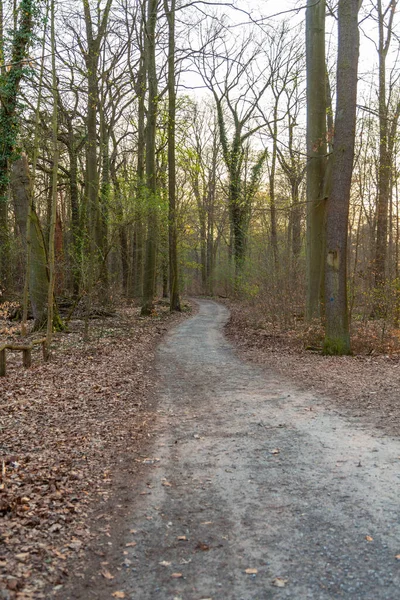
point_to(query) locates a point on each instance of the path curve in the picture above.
(248, 473)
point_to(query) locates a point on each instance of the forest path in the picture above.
(247, 473)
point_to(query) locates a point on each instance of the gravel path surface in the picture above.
(248, 474)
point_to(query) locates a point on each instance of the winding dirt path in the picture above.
(247, 473)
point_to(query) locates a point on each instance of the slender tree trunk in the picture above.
(316, 154)
(104, 209)
(92, 207)
(384, 153)
(296, 221)
(172, 229)
(122, 227)
(337, 335)
(272, 200)
(76, 231)
(53, 212)
(138, 235)
(10, 85)
(149, 282)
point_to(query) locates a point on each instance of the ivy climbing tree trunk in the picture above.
(10, 80)
(337, 336)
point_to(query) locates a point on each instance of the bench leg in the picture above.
(26, 358)
(3, 363)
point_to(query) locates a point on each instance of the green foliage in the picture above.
(339, 346)
(10, 79)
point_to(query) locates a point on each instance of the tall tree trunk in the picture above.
(9, 87)
(316, 154)
(149, 282)
(104, 208)
(21, 186)
(53, 211)
(337, 336)
(385, 162)
(272, 199)
(76, 231)
(138, 235)
(296, 221)
(122, 227)
(92, 207)
(172, 229)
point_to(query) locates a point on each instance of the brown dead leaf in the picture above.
(397, 557)
(118, 595)
(182, 538)
(22, 556)
(251, 571)
(166, 484)
(177, 575)
(107, 575)
(202, 546)
(369, 538)
(279, 582)
(131, 544)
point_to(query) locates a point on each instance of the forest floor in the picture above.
(366, 385)
(192, 473)
(66, 428)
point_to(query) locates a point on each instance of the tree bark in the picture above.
(337, 336)
(316, 154)
(149, 282)
(21, 186)
(9, 124)
(385, 160)
(175, 304)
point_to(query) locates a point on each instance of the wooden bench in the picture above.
(26, 350)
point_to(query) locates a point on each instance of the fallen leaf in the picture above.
(177, 575)
(182, 538)
(106, 574)
(202, 546)
(130, 544)
(279, 582)
(22, 556)
(119, 595)
(166, 484)
(251, 571)
(369, 538)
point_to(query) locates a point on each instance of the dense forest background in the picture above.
(156, 148)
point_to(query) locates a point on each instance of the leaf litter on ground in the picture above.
(63, 426)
